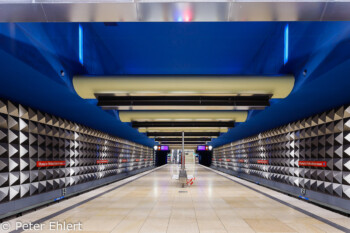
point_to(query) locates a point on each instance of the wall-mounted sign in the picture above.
(50, 163)
(102, 161)
(263, 161)
(313, 163)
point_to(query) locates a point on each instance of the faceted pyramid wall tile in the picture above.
(24, 177)
(12, 109)
(4, 194)
(339, 126)
(13, 164)
(23, 112)
(346, 165)
(13, 137)
(347, 112)
(346, 178)
(24, 190)
(3, 106)
(12, 123)
(3, 150)
(337, 177)
(339, 113)
(23, 125)
(324, 137)
(337, 190)
(14, 192)
(28, 136)
(346, 191)
(4, 165)
(14, 178)
(3, 121)
(4, 180)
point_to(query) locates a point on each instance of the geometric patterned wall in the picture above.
(30, 139)
(313, 153)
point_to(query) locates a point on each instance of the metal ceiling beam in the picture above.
(180, 143)
(171, 11)
(184, 108)
(180, 139)
(187, 146)
(164, 102)
(178, 134)
(138, 124)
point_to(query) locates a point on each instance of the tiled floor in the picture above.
(154, 203)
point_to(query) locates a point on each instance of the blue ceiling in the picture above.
(183, 48)
(32, 56)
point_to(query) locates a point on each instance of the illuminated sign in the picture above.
(313, 163)
(102, 161)
(203, 147)
(50, 163)
(262, 161)
(161, 147)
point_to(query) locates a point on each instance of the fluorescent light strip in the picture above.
(81, 44)
(286, 43)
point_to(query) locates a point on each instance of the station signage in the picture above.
(163, 148)
(202, 148)
(50, 163)
(100, 161)
(313, 163)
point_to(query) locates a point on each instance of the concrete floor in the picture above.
(156, 203)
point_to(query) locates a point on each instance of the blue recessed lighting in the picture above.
(286, 43)
(305, 198)
(81, 40)
(58, 198)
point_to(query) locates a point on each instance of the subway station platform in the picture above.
(154, 202)
(102, 100)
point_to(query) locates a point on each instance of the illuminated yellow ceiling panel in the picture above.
(279, 87)
(128, 116)
(181, 129)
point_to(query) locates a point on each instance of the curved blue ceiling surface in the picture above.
(33, 56)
